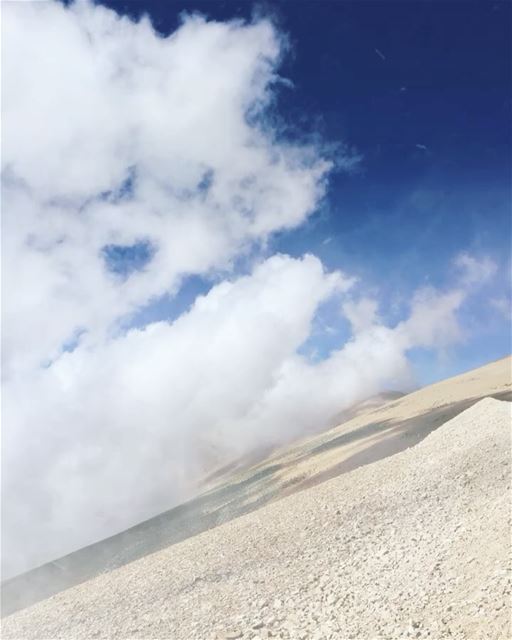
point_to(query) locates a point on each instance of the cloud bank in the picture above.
(130, 162)
(115, 137)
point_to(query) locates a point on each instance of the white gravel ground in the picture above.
(416, 545)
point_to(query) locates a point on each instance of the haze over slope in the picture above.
(414, 545)
(235, 490)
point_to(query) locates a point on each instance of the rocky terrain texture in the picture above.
(415, 545)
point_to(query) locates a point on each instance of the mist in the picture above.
(130, 163)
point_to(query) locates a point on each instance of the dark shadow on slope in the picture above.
(352, 436)
(396, 436)
(240, 464)
(212, 508)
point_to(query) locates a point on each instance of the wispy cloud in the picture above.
(475, 271)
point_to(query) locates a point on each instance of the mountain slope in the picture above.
(371, 403)
(365, 438)
(414, 545)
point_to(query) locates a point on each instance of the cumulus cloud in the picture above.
(433, 321)
(121, 422)
(114, 136)
(131, 161)
(115, 433)
(362, 313)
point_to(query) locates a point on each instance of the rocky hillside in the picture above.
(415, 545)
(232, 492)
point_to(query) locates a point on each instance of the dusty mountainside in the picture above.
(236, 491)
(415, 545)
(369, 404)
(389, 428)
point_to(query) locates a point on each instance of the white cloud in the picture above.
(114, 135)
(114, 429)
(91, 98)
(362, 314)
(101, 437)
(433, 321)
(473, 270)
(114, 433)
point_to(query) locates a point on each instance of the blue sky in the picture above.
(422, 92)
